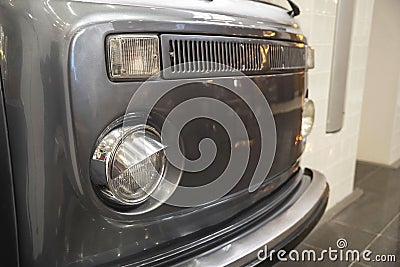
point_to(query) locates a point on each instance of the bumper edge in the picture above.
(276, 233)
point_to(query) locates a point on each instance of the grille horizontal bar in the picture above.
(209, 56)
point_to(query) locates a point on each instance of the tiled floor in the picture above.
(372, 222)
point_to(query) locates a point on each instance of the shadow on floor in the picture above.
(370, 223)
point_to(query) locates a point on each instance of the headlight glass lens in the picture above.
(137, 182)
(137, 167)
(308, 117)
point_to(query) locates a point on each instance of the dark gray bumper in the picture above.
(279, 232)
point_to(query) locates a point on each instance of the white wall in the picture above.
(335, 154)
(380, 124)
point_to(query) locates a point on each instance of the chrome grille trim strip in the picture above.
(187, 56)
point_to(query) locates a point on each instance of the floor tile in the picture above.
(385, 246)
(393, 230)
(328, 234)
(371, 212)
(364, 169)
(359, 264)
(385, 181)
(361, 223)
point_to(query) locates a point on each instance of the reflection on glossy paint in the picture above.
(70, 9)
(298, 140)
(60, 23)
(300, 36)
(3, 47)
(286, 106)
(246, 143)
(269, 34)
(30, 16)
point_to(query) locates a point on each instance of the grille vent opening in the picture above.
(214, 56)
(209, 56)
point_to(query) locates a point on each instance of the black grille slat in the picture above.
(214, 55)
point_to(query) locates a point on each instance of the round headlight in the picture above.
(308, 117)
(129, 163)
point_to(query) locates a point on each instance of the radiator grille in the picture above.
(214, 56)
(207, 56)
(283, 57)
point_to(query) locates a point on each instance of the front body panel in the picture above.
(93, 93)
(58, 99)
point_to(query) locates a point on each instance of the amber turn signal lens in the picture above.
(133, 56)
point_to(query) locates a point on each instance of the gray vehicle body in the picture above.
(56, 99)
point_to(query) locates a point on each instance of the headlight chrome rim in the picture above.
(101, 159)
(126, 133)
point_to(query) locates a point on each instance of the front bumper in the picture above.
(287, 228)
